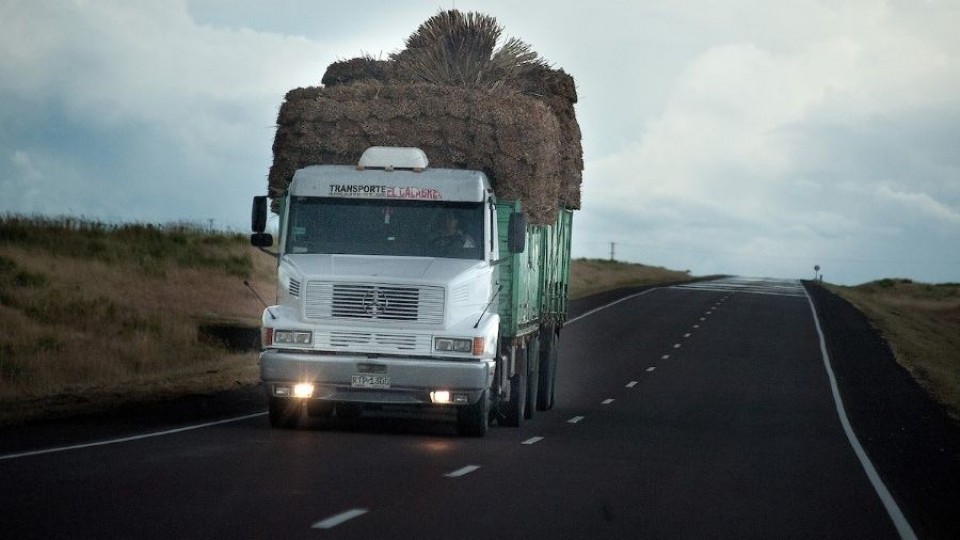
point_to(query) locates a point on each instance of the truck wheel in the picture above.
(533, 378)
(549, 354)
(474, 420)
(515, 409)
(284, 412)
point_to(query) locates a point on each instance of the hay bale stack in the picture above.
(558, 91)
(359, 69)
(466, 103)
(513, 138)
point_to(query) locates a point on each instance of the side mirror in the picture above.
(258, 217)
(258, 223)
(261, 240)
(517, 233)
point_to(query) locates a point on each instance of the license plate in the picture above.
(370, 381)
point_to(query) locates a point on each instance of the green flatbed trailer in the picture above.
(533, 306)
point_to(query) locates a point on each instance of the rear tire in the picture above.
(284, 412)
(474, 420)
(549, 355)
(533, 378)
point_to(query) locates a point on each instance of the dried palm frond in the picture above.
(460, 49)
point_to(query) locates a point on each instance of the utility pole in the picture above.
(613, 251)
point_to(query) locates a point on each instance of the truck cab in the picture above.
(387, 283)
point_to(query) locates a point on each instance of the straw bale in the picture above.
(514, 138)
(500, 110)
(354, 70)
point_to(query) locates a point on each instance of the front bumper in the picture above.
(410, 379)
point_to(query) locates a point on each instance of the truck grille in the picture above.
(418, 305)
(386, 343)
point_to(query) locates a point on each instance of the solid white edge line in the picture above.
(129, 439)
(462, 471)
(532, 440)
(333, 521)
(899, 520)
(603, 307)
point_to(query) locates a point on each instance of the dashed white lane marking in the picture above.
(575, 419)
(631, 384)
(132, 438)
(532, 440)
(462, 471)
(665, 357)
(651, 368)
(702, 319)
(696, 326)
(676, 345)
(687, 335)
(333, 521)
(607, 401)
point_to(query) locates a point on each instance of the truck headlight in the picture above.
(453, 345)
(303, 390)
(292, 337)
(460, 345)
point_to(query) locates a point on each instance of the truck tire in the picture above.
(474, 420)
(515, 409)
(533, 378)
(284, 412)
(549, 354)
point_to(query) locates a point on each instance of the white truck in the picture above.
(399, 284)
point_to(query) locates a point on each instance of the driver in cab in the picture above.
(451, 240)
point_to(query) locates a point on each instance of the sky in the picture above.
(743, 137)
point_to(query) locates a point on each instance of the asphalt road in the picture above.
(697, 411)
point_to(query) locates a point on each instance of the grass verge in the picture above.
(93, 313)
(591, 276)
(921, 322)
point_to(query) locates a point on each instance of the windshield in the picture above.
(385, 227)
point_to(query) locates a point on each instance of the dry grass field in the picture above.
(95, 314)
(922, 324)
(590, 276)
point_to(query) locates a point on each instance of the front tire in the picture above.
(474, 420)
(516, 406)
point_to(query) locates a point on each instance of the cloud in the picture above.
(922, 204)
(737, 137)
(189, 105)
(794, 143)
